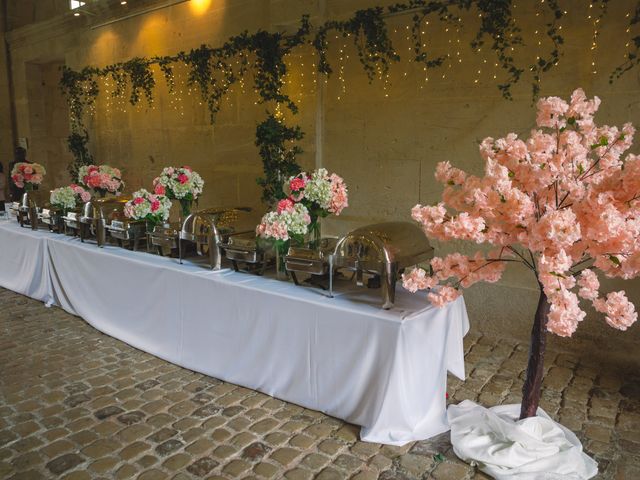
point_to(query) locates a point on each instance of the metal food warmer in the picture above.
(165, 238)
(383, 250)
(127, 232)
(208, 229)
(72, 222)
(27, 210)
(95, 215)
(53, 218)
(248, 251)
(316, 262)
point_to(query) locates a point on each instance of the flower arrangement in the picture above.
(66, 198)
(290, 221)
(148, 206)
(27, 175)
(101, 178)
(564, 203)
(320, 192)
(179, 183)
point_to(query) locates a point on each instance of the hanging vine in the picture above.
(213, 71)
(78, 146)
(275, 144)
(632, 57)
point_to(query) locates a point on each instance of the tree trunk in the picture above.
(535, 367)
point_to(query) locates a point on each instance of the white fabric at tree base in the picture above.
(345, 356)
(506, 448)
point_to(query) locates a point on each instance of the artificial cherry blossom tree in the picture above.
(564, 202)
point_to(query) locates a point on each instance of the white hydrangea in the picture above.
(318, 188)
(64, 198)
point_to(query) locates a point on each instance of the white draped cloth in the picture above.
(345, 356)
(535, 448)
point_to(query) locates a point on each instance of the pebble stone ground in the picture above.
(77, 404)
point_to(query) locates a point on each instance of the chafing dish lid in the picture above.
(327, 247)
(244, 241)
(401, 242)
(220, 219)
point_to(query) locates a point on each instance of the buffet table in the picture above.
(383, 370)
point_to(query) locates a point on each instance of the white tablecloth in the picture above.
(383, 370)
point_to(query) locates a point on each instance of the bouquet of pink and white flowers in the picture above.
(101, 178)
(66, 198)
(322, 193)
(290, 221)
(179, 183)
(148, 206)
(27, 175)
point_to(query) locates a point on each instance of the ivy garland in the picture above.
(274, 139)
(77, 143)
(214, 70)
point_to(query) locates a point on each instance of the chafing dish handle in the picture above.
(302, 264)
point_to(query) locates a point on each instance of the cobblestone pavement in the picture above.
(77, 404)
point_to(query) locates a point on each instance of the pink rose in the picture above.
(159, 189)
(138, 200)
(296, 184)
(285, 205)
(155, 205)
(182, 178)
(188, 168)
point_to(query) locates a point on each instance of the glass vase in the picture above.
(185, 208)
(315, 234)
(281, 248)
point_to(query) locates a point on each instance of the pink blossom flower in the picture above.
(138, 200)
(551, 111)
(182, 178)
(159, 189)
(443, 296)
(564, 200)
(417, 279)
(589, 284)
(620, 312)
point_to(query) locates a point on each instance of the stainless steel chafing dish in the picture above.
(15, 210)
(247, 250)
(165, 238)
(53, 218)
(312, 261)
(384, 250)
(72, 222)
(95, 215)
(126, 231)
(209, 228)
(27, 210)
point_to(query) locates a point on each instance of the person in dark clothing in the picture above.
(15, 193)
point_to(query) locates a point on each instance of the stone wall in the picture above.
(384, 138)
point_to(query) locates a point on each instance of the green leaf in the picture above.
(615, 260)
(571, 120)
(438, 458)
(511, 174)
(580, 169)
